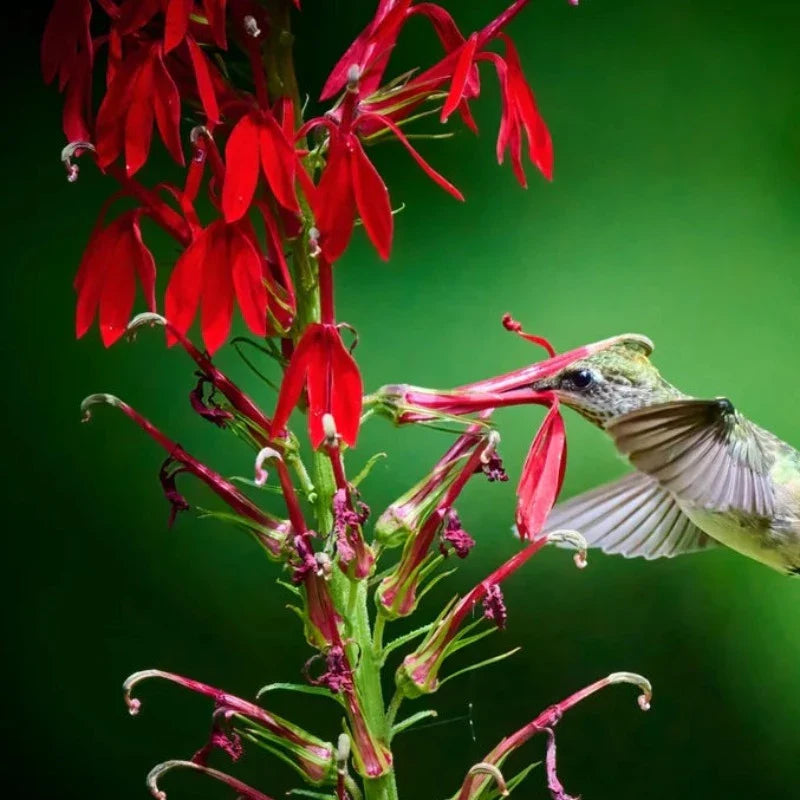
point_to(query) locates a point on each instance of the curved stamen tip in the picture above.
(313, 242)
(251, 26)
(200, 131)
(353, 77)
(263, 455)
(487, 768)
(70, 151)
(133, 703)
(492, 440)
(575, 539)
(342, 750)
(95, 399)
(634, 678)
(329, 430)
(145, 318)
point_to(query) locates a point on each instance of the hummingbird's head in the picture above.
(614, 379)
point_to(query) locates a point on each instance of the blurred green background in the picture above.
(674, 212)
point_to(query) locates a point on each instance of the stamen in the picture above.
(329, 430)
(486, 768)
(353, 77)
(576, 540)
(96, 399)
(70, 151)
(634, 678)
(313, 243)
(264, 454)
(251, 26)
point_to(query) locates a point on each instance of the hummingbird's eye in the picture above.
(579, 379)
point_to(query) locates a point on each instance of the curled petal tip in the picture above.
(95, 399)
(487, 768)
(575, 539)
(264, 454)
(646, 696)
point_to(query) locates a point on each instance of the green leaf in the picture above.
(480, 664)
(412, 720)
(309, 793)
(405, 638)
(367, 468)
(321, 691)
(250, 482)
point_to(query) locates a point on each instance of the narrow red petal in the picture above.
(461, 74)
(278, 161)
(215, 14)
(144, 264)
(542, 475)
(241, 170)
(372, 200)
(167, 104)
(176, 23)
(217, 299)
(89, 280)
(205, 84)
(185, 285)
(426, 167)
(294, 377)
(248, 280)
(347, 392)
(139, 120)
(335, 207)
(119, 284)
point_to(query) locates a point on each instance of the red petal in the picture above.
(176, 23)
(347, 392)
(89, 280)
(186, 284)
(540, 145)
(167, 104)
(335, 206)
(66, 32)
(135, 14)
(372, 199)
(76, 115)
(139, 120)
(217, 308)
(461, 74)
(119, 284)
(241, 171)
(205, 84)
(294, 377)
(248, 280)
(542, 475)
(426, 167)
(215, 14)
(278, 161)
(144, 265)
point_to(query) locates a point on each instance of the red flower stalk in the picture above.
(310, 756)
(480, 777)
(246, 410)
(115, 258)
(268, 531)
(419, 672)
(322, 364)
(241, 789)
(397, 592)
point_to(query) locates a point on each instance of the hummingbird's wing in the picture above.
(632, 516)
(703, 451)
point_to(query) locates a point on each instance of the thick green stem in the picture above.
(350, 598)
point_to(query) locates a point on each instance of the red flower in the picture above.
(258, 137)
(135, 14)
(222, 262)
(323, 365)
(68, 53)
(114, 258)
(542, 474)
(141, 92)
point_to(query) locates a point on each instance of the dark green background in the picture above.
(674, 212)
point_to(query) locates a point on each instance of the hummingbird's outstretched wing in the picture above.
(632, 516)
(703, 451)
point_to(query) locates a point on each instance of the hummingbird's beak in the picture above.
(545, 385)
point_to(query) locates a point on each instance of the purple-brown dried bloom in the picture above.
(205, 406)
(229, 743)
(337, 676)
(494, 607)
(355, 556)
(493, 468)
(452, 533)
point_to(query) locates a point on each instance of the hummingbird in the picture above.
(705, 475)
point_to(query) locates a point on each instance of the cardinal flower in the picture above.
(68, 53)
(114, 260)
(178, 14)
(323, 365)
(257, 137)
(222, 262)
(142, 91)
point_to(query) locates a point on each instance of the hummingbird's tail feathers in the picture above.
(703, 451)
(633, 517)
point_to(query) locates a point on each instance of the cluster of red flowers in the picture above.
(284, 196)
